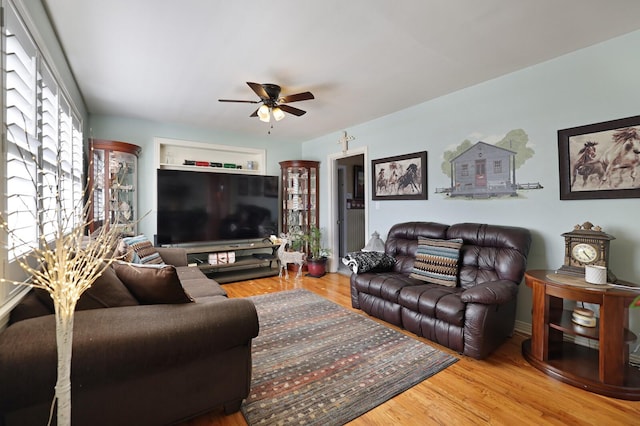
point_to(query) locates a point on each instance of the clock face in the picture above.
(584, 253)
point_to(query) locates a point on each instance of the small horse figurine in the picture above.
(287, 257)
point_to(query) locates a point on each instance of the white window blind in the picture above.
(49, 158)
(78, 165)
(65, 166)
(44, 145)
(22, 143)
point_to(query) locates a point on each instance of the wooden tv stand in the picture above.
(254, 259)
(606, 370)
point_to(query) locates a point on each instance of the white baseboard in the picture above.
(525, 328)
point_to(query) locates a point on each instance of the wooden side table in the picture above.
(605, 370)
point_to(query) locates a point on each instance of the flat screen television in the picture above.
(203, 207)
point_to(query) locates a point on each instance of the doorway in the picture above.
(481, 173)
(348, 206)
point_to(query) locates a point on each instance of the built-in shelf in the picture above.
(172, 154)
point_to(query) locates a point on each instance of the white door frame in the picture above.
(332, 161)
(342, 243)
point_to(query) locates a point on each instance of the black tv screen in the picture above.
(196, 207)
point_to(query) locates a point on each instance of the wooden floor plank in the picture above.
(502, 390)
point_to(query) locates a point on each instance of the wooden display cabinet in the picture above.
(113, 179)
(300, 196)
(605, 369)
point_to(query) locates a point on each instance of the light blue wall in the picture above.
(595, 84)
(142, 133)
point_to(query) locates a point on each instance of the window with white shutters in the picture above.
(20, 91)
(49, 155)
(44, 149)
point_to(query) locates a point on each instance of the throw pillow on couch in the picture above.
(138, 249)
(152, 284)
(107, 291)
(145, 274)
(437, 261)
(364, 261)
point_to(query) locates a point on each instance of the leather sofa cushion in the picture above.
(402, 242)
(385, 285)
(152, 284)
(435, 301)
(491, 252)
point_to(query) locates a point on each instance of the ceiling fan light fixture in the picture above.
(278, 114)
(263, 113)
(270, 101)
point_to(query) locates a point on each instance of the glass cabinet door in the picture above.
(300, 193)
(114, 180)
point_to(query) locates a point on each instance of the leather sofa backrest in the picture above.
(402, 241)
(490, 252)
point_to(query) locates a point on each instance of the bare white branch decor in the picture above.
(65, 263)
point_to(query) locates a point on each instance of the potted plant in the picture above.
(296, 243)
(317, 258)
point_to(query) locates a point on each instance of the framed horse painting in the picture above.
(600, 160)
(403, 177)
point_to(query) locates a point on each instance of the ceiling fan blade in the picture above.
(235, 100)
(304, 96)
(255, 113)
(257, 87)
(292, 110)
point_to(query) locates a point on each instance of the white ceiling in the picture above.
(169, 61)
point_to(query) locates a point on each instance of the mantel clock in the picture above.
(586, 245)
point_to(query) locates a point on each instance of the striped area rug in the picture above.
(317, 363)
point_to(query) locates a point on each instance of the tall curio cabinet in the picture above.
(113, 178)
(300, 196)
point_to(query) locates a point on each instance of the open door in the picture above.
(348, 204)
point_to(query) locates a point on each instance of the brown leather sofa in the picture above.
(472, 318)
(134, 364)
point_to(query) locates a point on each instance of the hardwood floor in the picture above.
(501, 390)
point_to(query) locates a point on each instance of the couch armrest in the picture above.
(490, 293)
(119, 344)
(176, 256)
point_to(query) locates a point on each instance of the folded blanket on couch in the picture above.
(363, 261)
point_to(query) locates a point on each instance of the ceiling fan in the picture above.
(272, 103)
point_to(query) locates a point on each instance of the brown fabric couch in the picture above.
(476, 315)
(134, 364)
